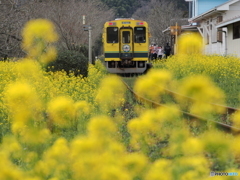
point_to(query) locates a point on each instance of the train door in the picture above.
(126, 43)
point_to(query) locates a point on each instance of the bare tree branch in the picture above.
(66, 15)
(160, 14)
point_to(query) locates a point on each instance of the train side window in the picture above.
(112, 35)
(126, 36)
(140, 34)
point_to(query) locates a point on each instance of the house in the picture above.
(218, 21)
(197, 7)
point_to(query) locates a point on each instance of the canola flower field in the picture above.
(56, 126)
(224, 71)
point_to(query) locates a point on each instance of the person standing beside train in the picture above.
(160, 52)
(155, 51)
(167, 50)
(151, 52)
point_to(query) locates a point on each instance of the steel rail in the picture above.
(230, 110)
(220, 125)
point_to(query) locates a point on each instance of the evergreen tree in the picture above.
(123, 8)
(126, 8)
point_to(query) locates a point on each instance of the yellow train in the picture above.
(126, 46)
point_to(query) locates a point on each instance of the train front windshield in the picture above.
(140, 34)
(112, 35)
(126, 37)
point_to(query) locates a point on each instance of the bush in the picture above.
(70, 61)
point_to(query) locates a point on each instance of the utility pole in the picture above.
(89, 29)
(90, 44)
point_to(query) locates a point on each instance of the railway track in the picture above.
(230, 110)
(225, 127)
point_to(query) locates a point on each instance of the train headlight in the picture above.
(112, 23)
(140, 23)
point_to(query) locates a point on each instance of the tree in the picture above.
(12, 17)
(123, 8)
(160, 14)
(66, 15)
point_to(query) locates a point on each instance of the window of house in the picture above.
(112, 35)
(236, 30)
(219, 19)
(219, 35)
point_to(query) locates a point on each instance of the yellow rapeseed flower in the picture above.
(84, 145)
(161, 169)
(235, 146)
(153, 126)
(152, 84)
(102, 126)
(82, 106)
(190, 167)
(55, 160)
(23, 103)
(61, 111)
(8, 170)
(11, 147)
(111, 172)
(135, 163)
(192, 146)
(236, 119)
(29, 70)
(59, 150)
(176, 141)
(37, 35)
(49, 56)
(35, 136)
(190, 43)
(38, 29)
(218, 144)
(203, 91)
(110, 93)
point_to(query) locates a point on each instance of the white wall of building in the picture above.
(233, 45)
(212, 46)
(234, 10)
(208, 21)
